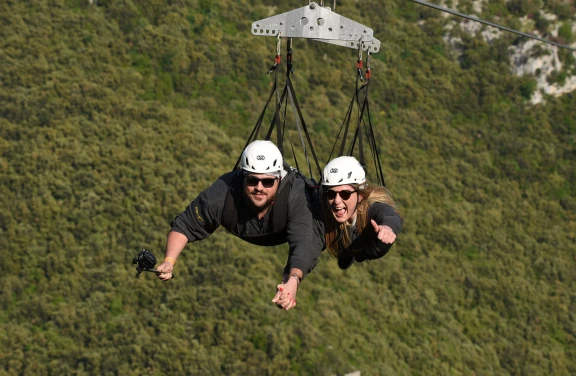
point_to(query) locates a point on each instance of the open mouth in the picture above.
(339, 212)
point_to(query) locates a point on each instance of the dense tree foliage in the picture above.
(116, 114)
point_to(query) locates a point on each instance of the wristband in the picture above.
(170, 259)
(298, 279)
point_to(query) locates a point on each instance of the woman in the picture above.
(361, 220)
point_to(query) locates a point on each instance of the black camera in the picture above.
(145, 262)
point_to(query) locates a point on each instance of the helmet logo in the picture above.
(260, 157)
(333, 170)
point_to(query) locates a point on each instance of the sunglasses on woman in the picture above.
(253, 181)
(344, 195)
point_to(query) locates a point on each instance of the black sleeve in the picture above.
(203, 216)
(367, 246)
(305, 228)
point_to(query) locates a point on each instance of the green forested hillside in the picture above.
(115, 115)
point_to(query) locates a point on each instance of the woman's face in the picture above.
(342, 201)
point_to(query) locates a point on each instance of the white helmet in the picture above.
(343, 170)
(262, 157)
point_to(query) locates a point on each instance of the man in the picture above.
(262, 203)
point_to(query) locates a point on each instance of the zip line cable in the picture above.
(473, 18)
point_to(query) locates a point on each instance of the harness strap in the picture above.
(363, 114)
(277, 121)
(349, 115)
(297, 119)
(256, 129)
(374, 148)
(297, 106)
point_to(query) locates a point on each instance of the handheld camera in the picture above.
(145, 262)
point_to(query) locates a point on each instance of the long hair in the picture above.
(336, 234)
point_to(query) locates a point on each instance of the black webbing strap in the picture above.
(278, 122)
(294, 153)
(371, 140)
(360, 145)
(348, 112)
(276, 118)
(284, 129)
(299, 127)
(363, 114)
(297, 106)
(279, 134)
(349, 116)
(375, 152)
(256, 129)
(358, 132)
(345, 125)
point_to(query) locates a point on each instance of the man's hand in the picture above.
(286, 294)
(384, 233)
(166, 268)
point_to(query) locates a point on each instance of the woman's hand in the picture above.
(383, 233)
(286, 294)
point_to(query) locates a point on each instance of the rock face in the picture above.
(531, 58)
(541, 67)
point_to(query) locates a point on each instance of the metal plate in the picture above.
(373, 46)
(312, 22)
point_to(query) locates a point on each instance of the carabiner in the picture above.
(359, 61)
(278, 56)
(368, 70)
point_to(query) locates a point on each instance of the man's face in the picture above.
(260, 190)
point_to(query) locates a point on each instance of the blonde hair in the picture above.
(336, 234)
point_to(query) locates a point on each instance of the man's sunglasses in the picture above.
(344, 195)
(253, 181)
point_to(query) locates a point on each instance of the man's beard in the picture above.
(259, 206)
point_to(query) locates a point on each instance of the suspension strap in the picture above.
(278, 121)
(289, 93)
(363, 114)
(276, 115)
(304, 128)
(358, 132)
(374, 148)
(284, 126)
(369, 131)
(279, 129)
(354, 98)
(345, 123)
(297, 120)
(254, 134)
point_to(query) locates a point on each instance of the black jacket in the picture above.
(294, 218)
(366, 246)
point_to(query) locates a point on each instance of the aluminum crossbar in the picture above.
(318, 23)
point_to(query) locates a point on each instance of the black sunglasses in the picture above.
(344, 195)
(253, 181)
